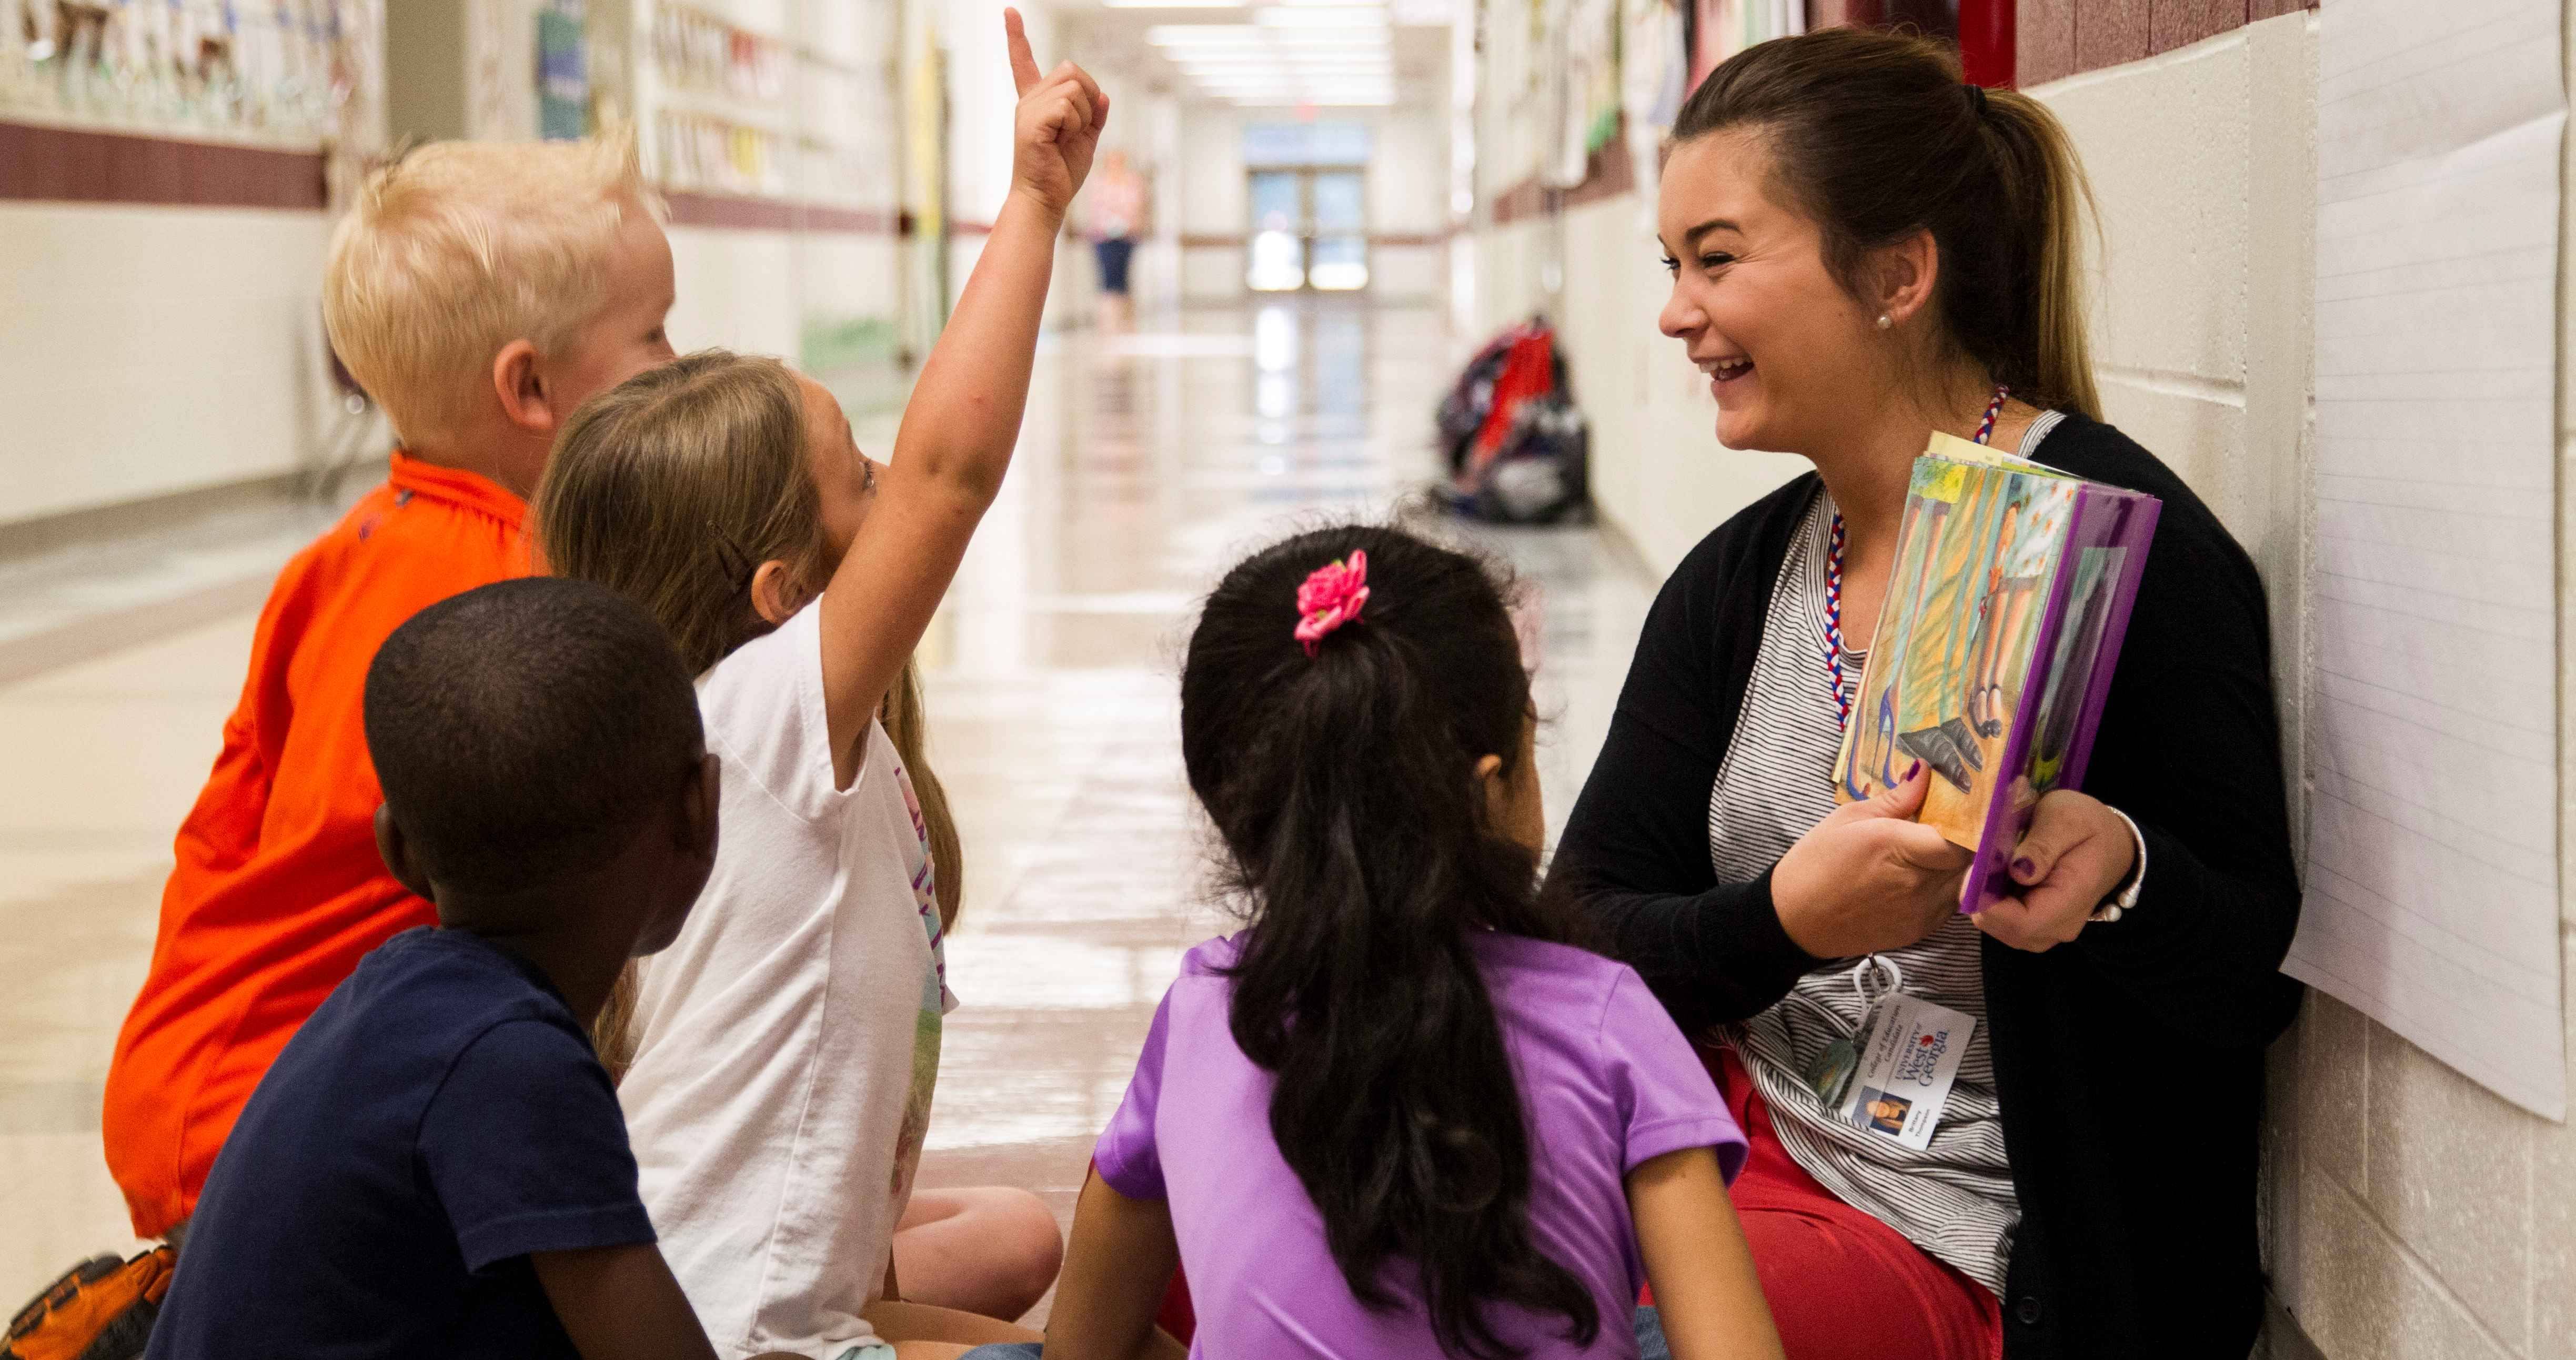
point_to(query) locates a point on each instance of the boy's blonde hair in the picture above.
(671, 489)
(460, 248)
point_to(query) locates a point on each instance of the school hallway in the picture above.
(1148, 461)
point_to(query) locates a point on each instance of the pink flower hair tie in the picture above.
(1332, 596)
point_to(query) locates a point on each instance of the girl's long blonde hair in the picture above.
(671, 489)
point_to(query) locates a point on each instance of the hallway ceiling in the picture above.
(1319, 53)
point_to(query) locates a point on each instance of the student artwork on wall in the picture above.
(1653, 64)
(1712, 35)
(273, 73)
(2003, 622)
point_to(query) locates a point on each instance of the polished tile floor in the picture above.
(1150, 460)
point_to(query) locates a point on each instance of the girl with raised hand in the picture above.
(785, 1046)
(1402, 1113)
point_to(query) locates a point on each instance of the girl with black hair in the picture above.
(1401, 1114)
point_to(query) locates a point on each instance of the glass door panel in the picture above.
(1278, 263)
(1337, 259)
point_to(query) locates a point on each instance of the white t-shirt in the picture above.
(789, 1039)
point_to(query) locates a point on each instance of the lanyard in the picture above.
(1835, 1065)
(1834, 579)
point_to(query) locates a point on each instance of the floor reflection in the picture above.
(1161, 457)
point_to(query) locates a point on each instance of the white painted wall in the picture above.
(731, 291)
(2409, 1212)
(981, 103)
(149, 350)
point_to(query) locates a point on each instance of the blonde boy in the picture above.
(479, 292)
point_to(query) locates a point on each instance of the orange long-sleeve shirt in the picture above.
(278, 889)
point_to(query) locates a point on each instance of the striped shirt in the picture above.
(1955, 1198)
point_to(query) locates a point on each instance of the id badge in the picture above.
(1907, 1062)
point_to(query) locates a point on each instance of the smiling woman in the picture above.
(1864, 251)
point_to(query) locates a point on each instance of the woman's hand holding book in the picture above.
(2076, 853)
(1869, 877)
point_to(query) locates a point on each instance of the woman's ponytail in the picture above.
(1344, 787)
(2051, 194)
(1874, 136)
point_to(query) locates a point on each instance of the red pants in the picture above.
(1841, 1284)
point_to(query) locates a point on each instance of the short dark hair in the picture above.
(527, 729)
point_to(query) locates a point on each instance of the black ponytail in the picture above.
(1343, 786)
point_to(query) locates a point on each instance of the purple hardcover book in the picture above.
(1994, 651)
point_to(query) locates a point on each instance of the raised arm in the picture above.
(964, 416)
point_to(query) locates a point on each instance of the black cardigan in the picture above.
(2128, 1064)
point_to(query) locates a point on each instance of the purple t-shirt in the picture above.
(1607, 1084)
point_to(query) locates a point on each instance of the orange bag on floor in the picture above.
(101, 1309)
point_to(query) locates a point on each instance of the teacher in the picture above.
(1865, 250)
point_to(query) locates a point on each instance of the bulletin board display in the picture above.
(287, 74)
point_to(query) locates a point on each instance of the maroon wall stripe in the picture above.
(1607, 173)
(772, 214)
(66, 165)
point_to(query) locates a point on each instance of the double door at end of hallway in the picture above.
(1309, 231)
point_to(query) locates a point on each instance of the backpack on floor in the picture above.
(101, 1309)
(1526, 456)
(1540, 472)
(1467, 410)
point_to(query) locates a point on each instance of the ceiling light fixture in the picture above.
(1319, 16)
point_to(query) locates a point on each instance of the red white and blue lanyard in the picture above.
(1834, 576)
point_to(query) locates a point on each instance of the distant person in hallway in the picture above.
(1865, 250)
(479, 292)
(435, 1165)
(786, 1046)
(1403, 1112)
(1116, 208)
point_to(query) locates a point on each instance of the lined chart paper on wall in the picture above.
(2432, 891)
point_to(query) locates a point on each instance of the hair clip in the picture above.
(736, 563)
(1332, 596)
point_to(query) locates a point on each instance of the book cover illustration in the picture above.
(1995, 646)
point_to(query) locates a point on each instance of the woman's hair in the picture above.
(1343, 787)
(671, 489)
(1874, 135)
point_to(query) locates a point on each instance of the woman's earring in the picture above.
(1883, 321)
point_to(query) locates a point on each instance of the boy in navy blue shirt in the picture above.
(436, 1165)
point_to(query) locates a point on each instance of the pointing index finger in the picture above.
(1024, 64)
